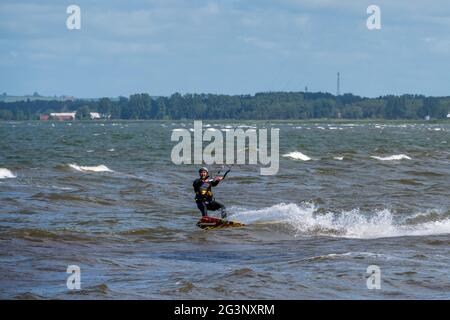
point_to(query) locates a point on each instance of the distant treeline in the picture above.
(270, 105)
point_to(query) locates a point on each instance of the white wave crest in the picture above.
(351, 224)
(6, 174)
(100, 168)
(297, 156)
(395, 157)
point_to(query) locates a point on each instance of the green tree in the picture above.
(104, 106)
(6, 115)
(83, 113)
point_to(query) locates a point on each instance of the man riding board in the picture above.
(204, 196)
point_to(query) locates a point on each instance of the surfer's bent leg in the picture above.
(201, 205)
(214, 205)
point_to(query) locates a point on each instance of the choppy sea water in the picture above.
(105, 196)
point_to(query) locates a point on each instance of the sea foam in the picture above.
(100, 168)
(297, 156)
(305, 220)
(5, 174)
(394, 157)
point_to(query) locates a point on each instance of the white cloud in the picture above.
(436, 45)
(403, 5)
(267, 46)
(28, 19)
(259, 43)
(136, 23)
(211, 8)
(252, 22)
(302, 20)
(317, 35)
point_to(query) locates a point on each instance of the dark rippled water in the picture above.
(107, 198)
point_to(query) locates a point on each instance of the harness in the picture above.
(204, 193)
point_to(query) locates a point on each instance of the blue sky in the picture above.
(230, 47)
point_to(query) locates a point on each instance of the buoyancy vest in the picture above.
(204, 192)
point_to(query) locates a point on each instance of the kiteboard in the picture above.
(209, 223)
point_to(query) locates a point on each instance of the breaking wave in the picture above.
(5, 173)
(395, 157)
(100, 168)
(305, 220)
(297, 156)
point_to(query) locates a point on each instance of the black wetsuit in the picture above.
(204, 197)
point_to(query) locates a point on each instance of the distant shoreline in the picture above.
(319, 120)
(261, 106)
